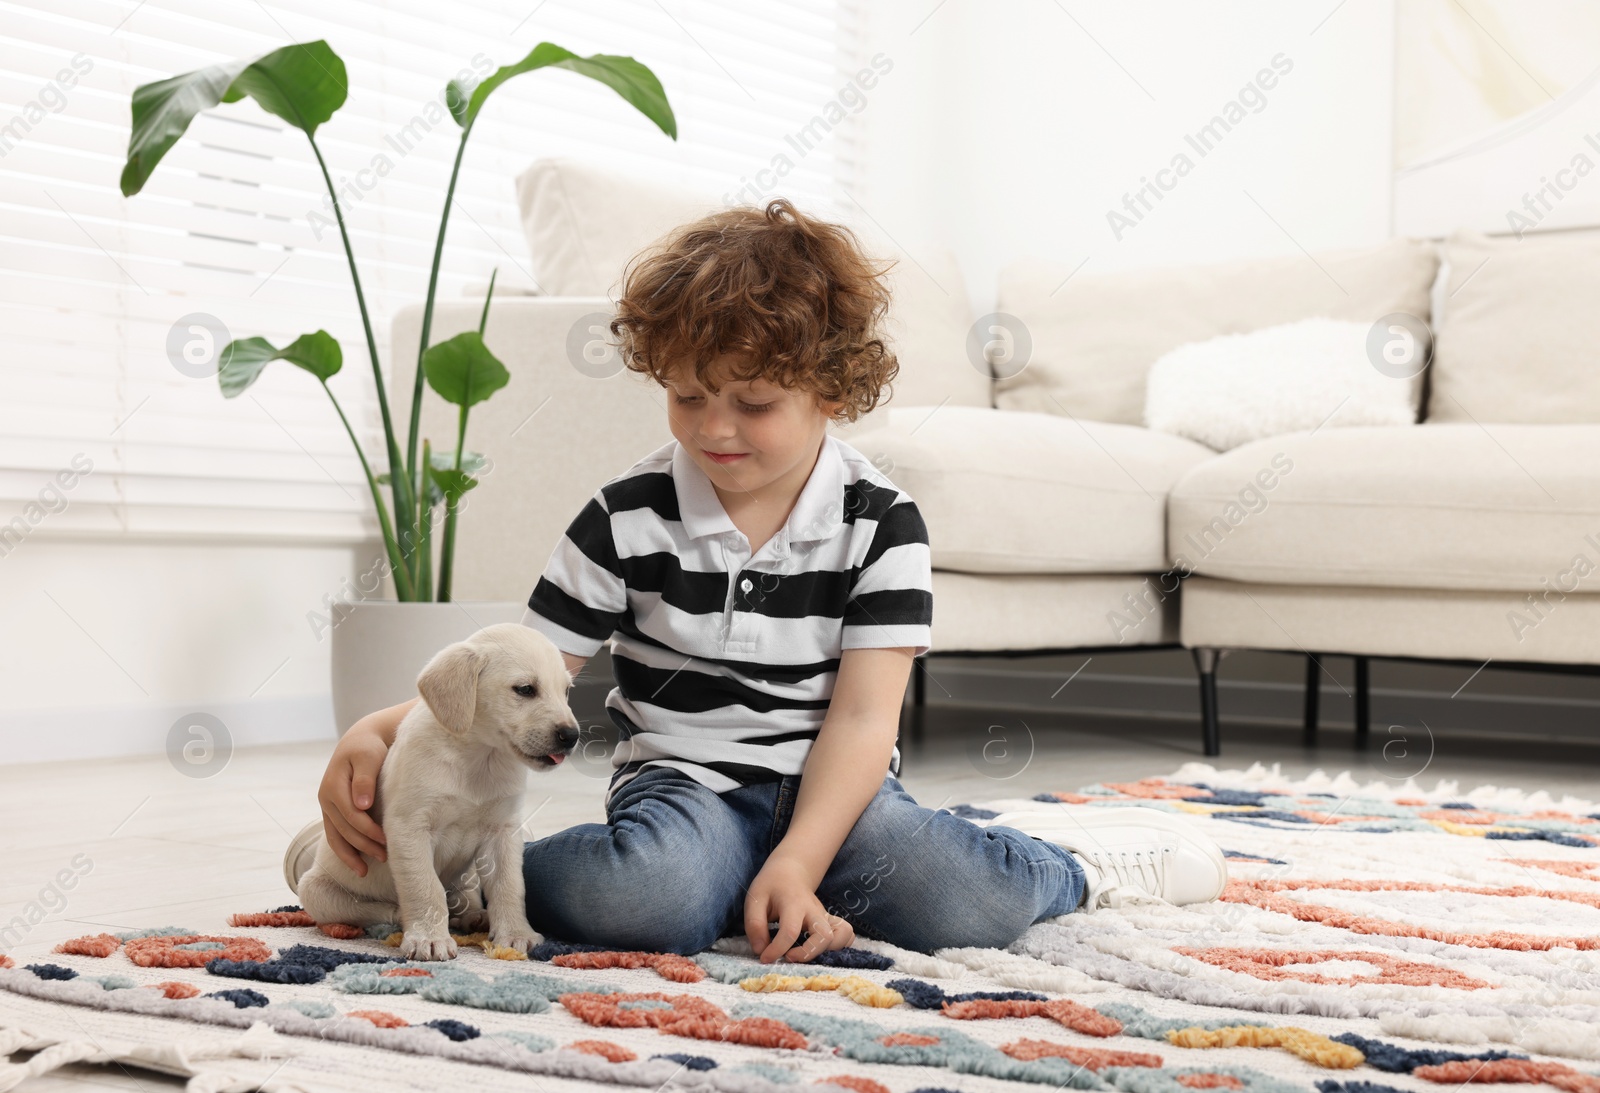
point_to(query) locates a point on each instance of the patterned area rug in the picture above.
(1374, 937)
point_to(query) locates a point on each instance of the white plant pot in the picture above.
(381, 646)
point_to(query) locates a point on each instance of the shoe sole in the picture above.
(1081, 820)
(306, 837)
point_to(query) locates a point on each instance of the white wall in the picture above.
(108, 643)
(1008, 129)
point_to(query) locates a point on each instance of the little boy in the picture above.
(766, 589)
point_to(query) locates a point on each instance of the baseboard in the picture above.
(103, 732)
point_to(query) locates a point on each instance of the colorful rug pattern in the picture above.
(1373, 937)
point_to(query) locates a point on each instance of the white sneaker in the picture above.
(1129, 854)
(301, 853)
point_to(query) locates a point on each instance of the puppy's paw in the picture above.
(472, 921)
(419, 946)
(516, 935)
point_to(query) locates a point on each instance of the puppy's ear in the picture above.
(449, 685)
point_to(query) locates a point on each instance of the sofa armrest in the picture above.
(552, 435)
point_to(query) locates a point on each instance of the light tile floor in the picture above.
(156, 847)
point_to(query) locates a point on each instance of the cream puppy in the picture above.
(492, 706)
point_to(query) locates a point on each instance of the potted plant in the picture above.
(375, 662)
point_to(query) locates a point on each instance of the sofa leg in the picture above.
(1313, 696)
(1210, 732)
(1363, 703)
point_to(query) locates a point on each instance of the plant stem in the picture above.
(488, 297)
(402, 579)
(427, 307)
(424, 556)
(447, 551)
(400, 485)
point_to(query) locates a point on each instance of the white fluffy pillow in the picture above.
(1230, 390)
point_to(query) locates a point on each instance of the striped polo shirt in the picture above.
(725, 661)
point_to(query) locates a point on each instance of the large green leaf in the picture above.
(463, 371)
(303, 83)
(243, 360)
(450, 482)
(624, 75)
(443, 476)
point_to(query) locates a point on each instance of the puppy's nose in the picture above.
(567, 735)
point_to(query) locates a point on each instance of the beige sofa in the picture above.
(1057, 521)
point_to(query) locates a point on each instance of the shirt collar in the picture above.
(818, 512)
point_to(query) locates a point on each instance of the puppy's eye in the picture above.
(526, 690)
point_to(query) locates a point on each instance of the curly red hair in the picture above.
(792, 299)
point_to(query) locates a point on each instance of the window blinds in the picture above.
(102, 293)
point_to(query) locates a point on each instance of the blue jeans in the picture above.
(669, 869)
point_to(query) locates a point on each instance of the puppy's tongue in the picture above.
(557, 757)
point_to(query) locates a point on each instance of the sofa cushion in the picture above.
(1426, 506)
(584, 223)
(988, 613)
(1095, 337)
(1518, 335)
(1235, 388)
(1017, 492)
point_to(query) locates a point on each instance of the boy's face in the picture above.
(773, 433)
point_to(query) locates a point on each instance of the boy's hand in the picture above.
(346, 793)
(783, 891)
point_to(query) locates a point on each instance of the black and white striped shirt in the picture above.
(725, 662)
